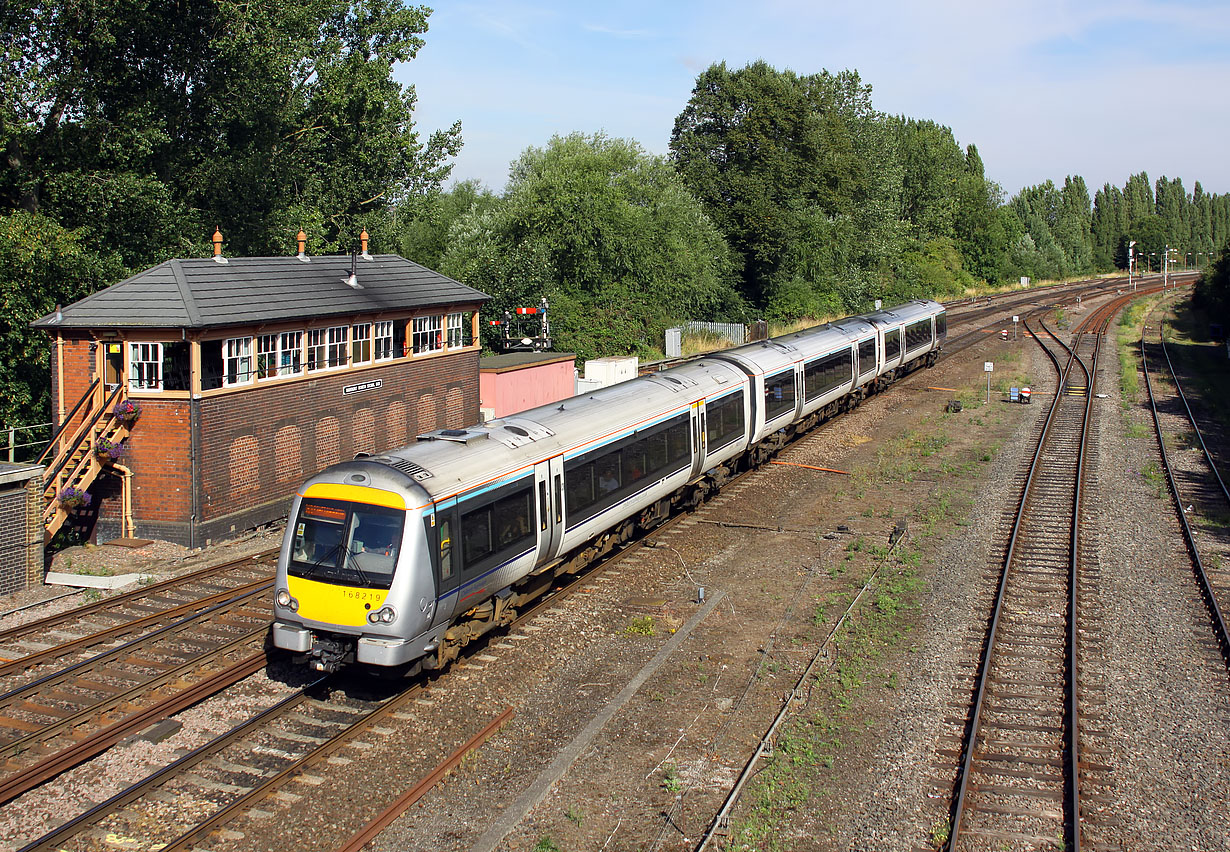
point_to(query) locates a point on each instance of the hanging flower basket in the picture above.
(127, 411)
(74, 498)
(109, 451)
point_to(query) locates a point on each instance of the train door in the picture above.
(441, 538)
(549, 495)
(698, 437)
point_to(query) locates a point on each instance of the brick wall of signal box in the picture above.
(259, 444)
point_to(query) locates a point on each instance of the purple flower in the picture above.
(73, 498)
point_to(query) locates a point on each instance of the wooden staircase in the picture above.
(70, 457)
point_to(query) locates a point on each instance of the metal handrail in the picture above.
(89, 393)
(85, 429)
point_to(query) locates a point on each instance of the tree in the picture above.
(144, 125)
(608, 234)
(1213, 291)
(131, 130)
(749, 145)
(41, 265)
(425, 223)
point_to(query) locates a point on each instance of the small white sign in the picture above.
(362, 386)
(1016, 318)
(988, 366)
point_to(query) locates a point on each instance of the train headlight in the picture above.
(384, 615)
(286, 601)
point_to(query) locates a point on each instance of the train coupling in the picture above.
(329, 654)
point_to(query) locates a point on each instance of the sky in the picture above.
(1043, 89)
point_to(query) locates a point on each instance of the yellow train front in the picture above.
(354, 580)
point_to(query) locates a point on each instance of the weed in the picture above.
(546, 844)
(940, 831)
(1138, 430)
(92, 595)
(1152, 474)
(640, 626)
(574, 815)
(671, 782)
(891, 681)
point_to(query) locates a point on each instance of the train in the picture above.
(397, 560)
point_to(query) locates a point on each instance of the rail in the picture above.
(1202, 578)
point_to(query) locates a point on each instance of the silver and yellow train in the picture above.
(400, 559)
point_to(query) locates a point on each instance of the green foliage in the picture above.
(41, 265)
(641, 626)
(132, 130)
(423, 236)
(608, 234)
(1213, 291)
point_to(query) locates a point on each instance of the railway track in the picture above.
(1019, 781)
(60, 719)
(1201, 497)
(226, 779)
(28, 650)
(295, 769)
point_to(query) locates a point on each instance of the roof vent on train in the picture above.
(675, 383)
(461, 436)
(517, 432)
(414, 471)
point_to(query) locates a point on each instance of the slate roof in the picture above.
(201, 293)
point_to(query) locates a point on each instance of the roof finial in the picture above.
(363, 238)
(217, 240)
(302, 238)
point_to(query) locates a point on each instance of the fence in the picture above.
(31, 445)
(735, 332)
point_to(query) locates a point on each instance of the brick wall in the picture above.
(259, 444)
(21, 527)
(159, 455)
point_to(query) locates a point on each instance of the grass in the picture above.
(1155, 477)
(546, 844)
(808, 747)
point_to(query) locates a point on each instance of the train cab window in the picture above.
(778, 394)
(892, 344)
(941, 325)
(352, 544)
(867, 356)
